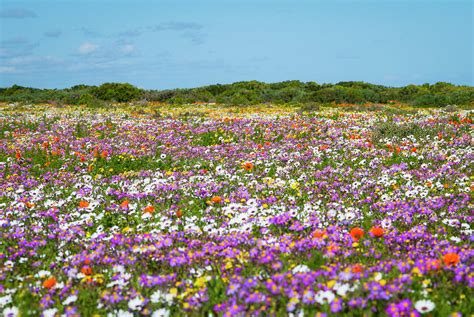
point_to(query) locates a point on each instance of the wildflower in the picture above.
(319, 234)
(149, 209)
(179, 213)
(162, 312)
(377, 232)
(124, 204)
(49, 283)
(136, 303)
(451, 259)
(83, 204)
(323, 297)
(50, 312)
(86, 270)
(336, 305)
(11, 312)
(248, 166)
(216, 199)
(357, 268)
(424, 306)
(357, 233)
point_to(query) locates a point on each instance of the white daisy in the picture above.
(424, 306)
(323, 297)
(10, 312)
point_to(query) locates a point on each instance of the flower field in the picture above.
(235, 212)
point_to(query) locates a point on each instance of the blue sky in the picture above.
(179, 43)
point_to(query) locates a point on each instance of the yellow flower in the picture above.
(294, 185)
(200, 281)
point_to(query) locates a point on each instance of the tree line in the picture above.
(252, 92)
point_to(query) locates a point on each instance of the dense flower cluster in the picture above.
(124, 214)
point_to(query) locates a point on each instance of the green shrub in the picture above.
(393, 131)
(116, 92)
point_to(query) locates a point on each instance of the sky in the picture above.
(190, 43)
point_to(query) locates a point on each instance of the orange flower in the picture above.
(17, 154)
(451, 259)
(86, 270)
(357, 233)
(87, 261)
(49, 283)
(216, 199)
(124, 204)
(149, 209)
(377, 232)
(83, 204)
(356, 268)
(413, 150)
(179, 213)
(29, 205)
(104, 154)
(248, 166)
(319, 234)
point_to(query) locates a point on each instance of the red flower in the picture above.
(357, 233)
(377, 232)
(248, 166)
(49, 283)
(149, 209)
(83, 204)
(86, 270)
(124, 204)
(357, 268)
(319, 234)
(451, 259)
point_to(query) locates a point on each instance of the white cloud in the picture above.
(7, 69)
(87, 48)
(127, 49)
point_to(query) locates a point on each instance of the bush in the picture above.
(309, 107)
(451, 108)
(392, 131)
(116, 92)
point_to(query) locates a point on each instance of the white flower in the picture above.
(323, 297)
(156, 296)
(162, 312)
(120, 313)
(10, 312)
(70, 299)
(136, 303)
(50, 312)
(424, 306)
(342, 289)
(5, 300)
(300, 269)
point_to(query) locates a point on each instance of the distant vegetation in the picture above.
(252, 92)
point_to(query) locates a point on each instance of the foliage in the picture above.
(254, 92)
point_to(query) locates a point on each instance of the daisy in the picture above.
(323, 297)
(424, 306)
